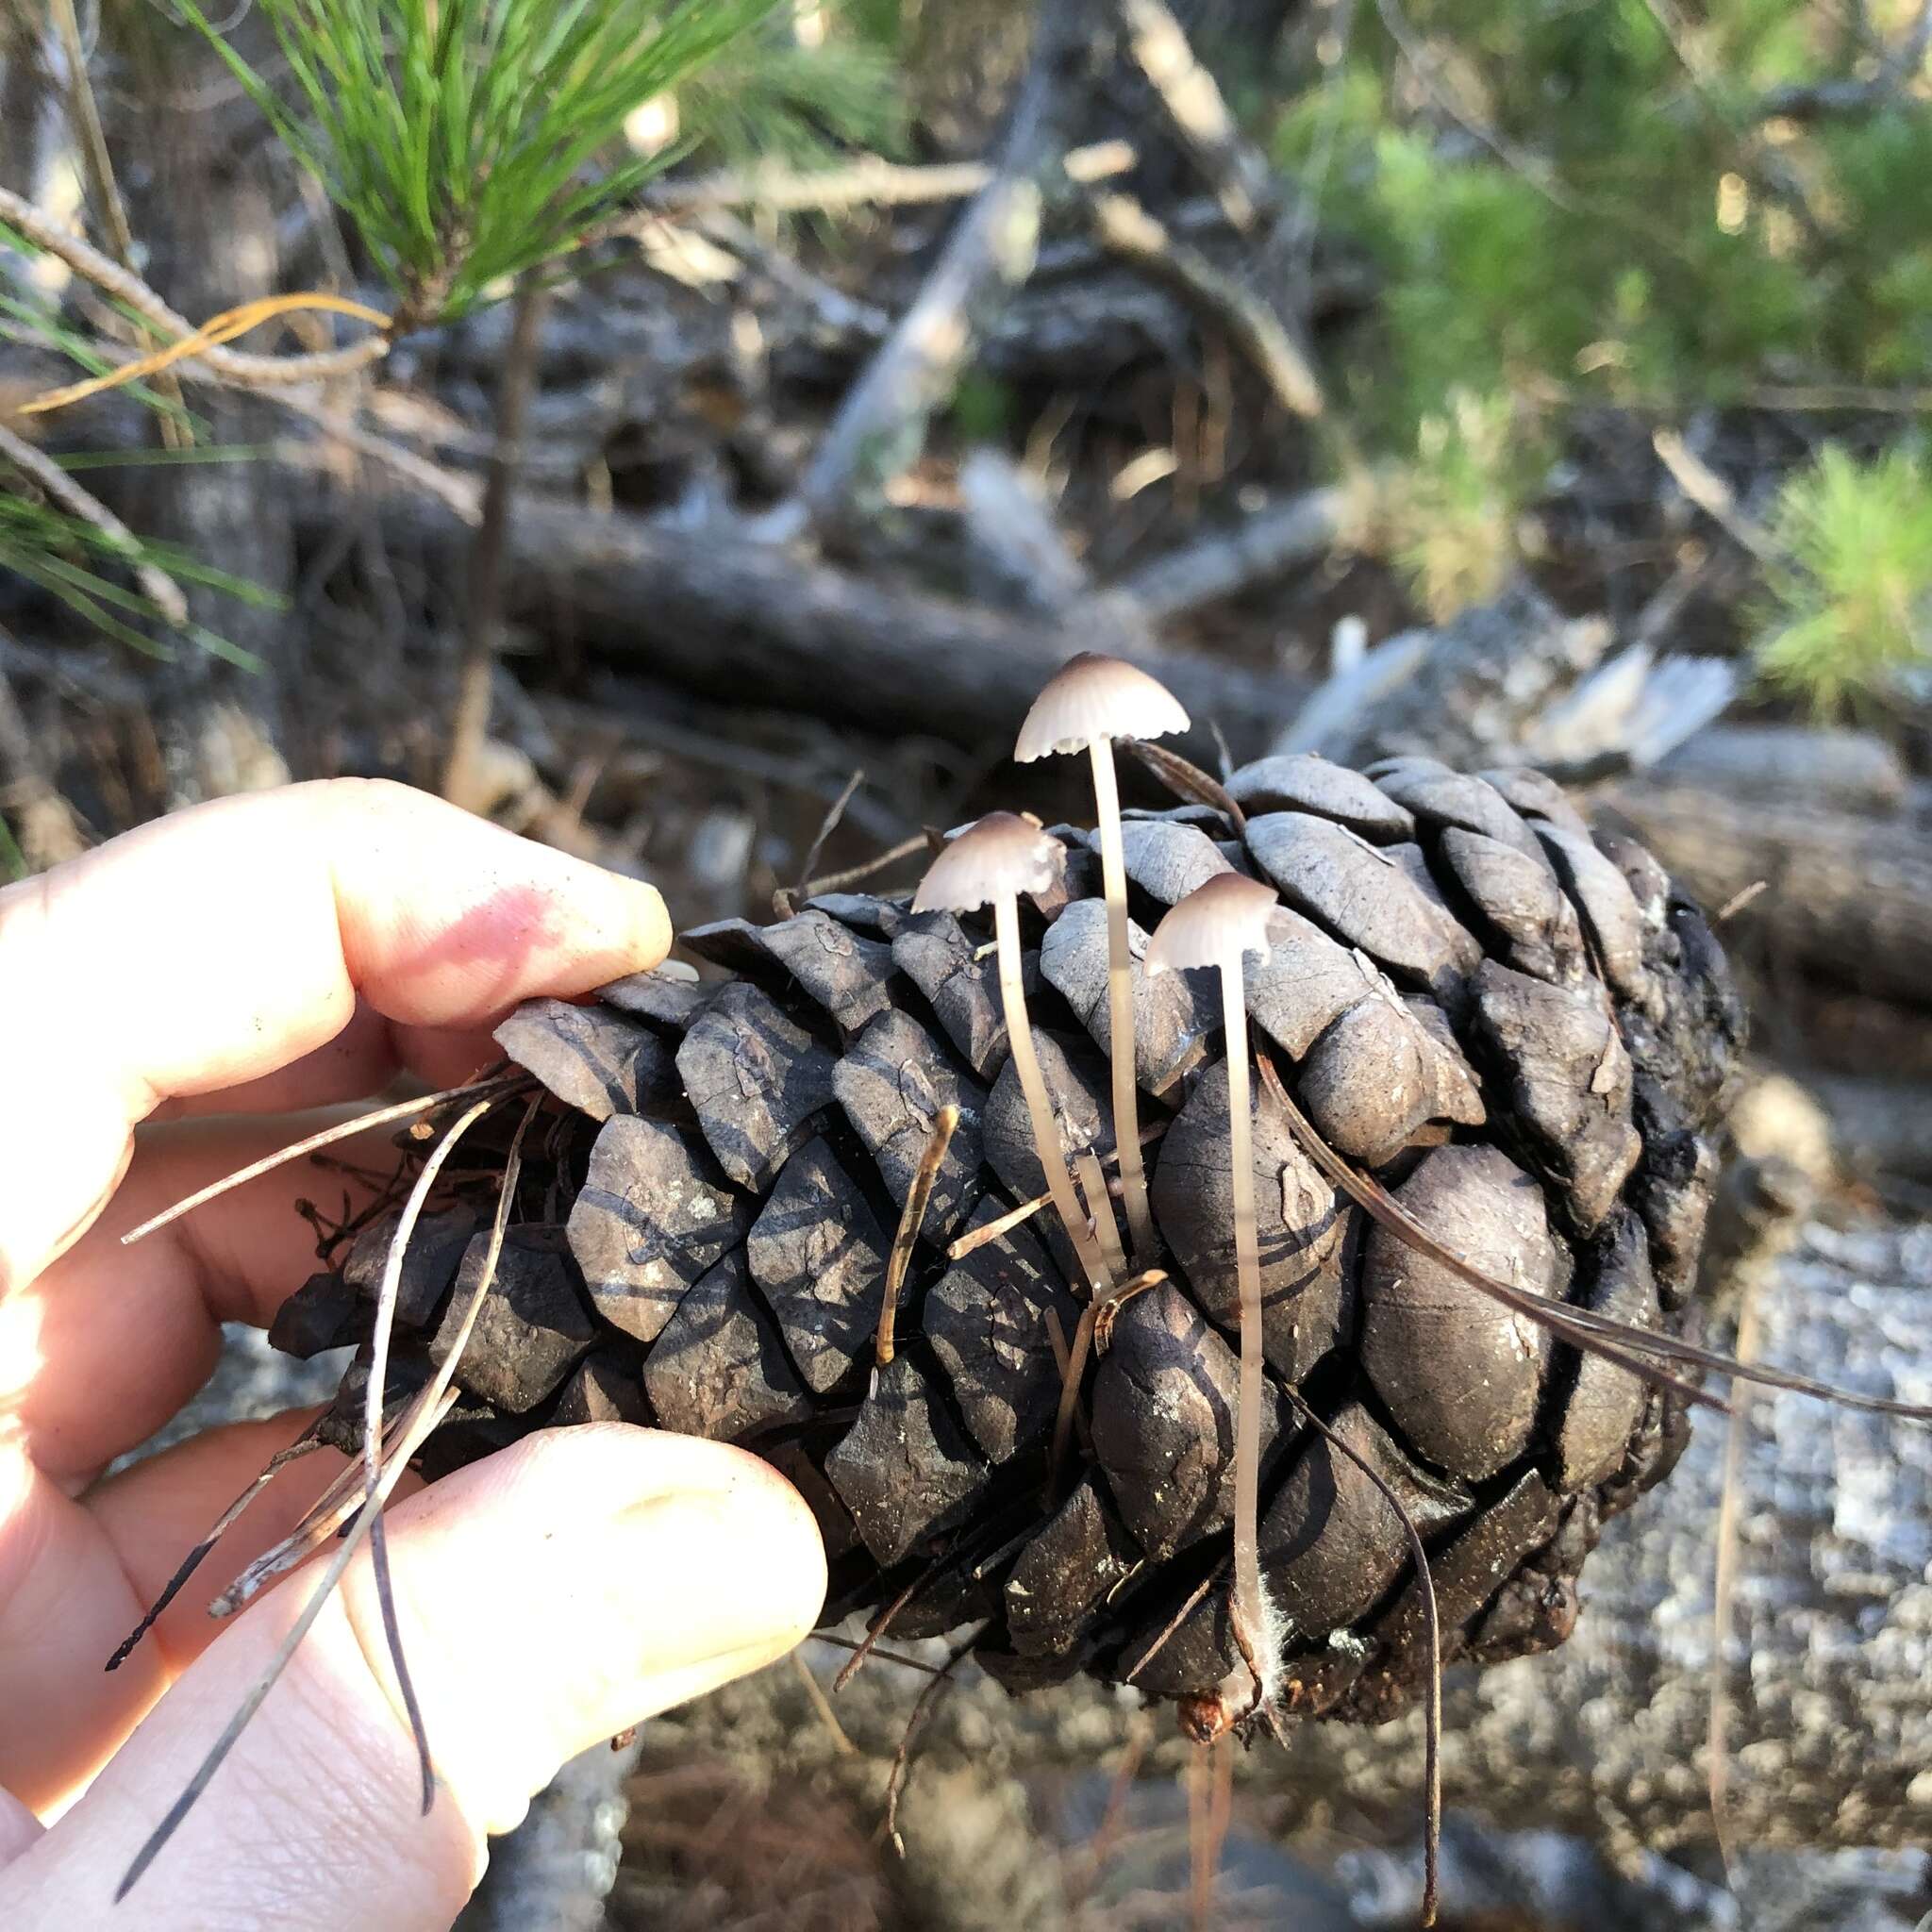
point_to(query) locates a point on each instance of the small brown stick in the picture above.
(1724, 1584)
(470, 724)
(877, 1629)
(911, 1220)
(495, 1084)
(1165, 1636)
(920, 842)
(884, 1655)
(922, 1709)
(1103, 1308)
(1187, 781)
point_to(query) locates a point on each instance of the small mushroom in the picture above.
(991, 863)
(1087, 703)
(1218, 924)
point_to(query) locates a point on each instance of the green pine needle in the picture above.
(467, 139)
(71, 560)
(1854, 605)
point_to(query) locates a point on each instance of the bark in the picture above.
(732, 616)
(1849, 896)
(1832, 1718)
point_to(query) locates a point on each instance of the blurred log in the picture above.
(1838, 770)
(1847, 896)
(723, 613)
(1831, 1731)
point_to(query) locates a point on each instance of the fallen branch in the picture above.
(727, 614)
(881, 425)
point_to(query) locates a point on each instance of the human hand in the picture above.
(295, 949)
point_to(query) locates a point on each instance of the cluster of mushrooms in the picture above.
(1089, 704)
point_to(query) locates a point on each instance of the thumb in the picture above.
(548, 1597)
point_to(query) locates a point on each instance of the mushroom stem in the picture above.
(1119, 1000)
(1046, 1136)
(1250, 1604)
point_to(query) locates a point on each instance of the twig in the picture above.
(231, 365)
(945, 1123)
(869, 868)
(922, 1709)
(870, 183)
(470, 722)
(1711, 494)
(85, 114)
(1724, 1580)
(785, 901)
(1242, 179)
(1135, 236)
(160, 589)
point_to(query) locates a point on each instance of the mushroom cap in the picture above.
(1092, 697)
(999, 856)
(1218, 923)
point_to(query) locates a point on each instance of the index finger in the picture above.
(215, 946)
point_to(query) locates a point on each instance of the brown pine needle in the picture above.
(1187, 781)
(1432, 1726)
(245, 1711)
(212, 334)
(945, 1122)
(429, 1408)
(1621, 1343)
(303, 1444)
(342, 1130)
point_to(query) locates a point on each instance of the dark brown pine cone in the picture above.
(1521, 1030)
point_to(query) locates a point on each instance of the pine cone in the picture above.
(1519, 1029)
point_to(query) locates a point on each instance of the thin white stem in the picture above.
(1250, 1604)
(1119, 1002)
(1046, 1133)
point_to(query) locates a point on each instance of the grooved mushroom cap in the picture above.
(999, 857)
(1219, 923)
(1090, 697)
